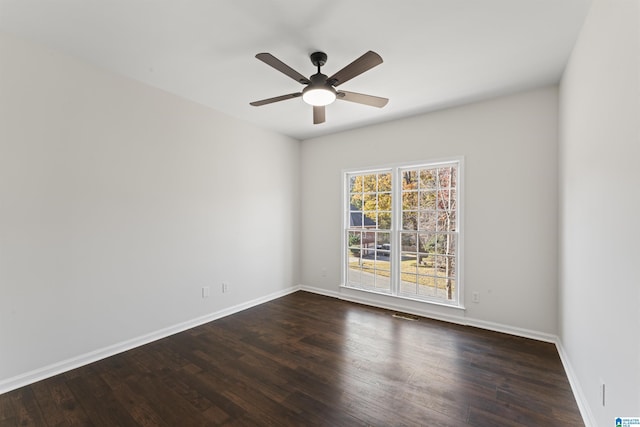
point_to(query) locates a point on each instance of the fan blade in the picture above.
(318, 115)
(360, 98)
(357, 67)
(269, 59)
(276, 99)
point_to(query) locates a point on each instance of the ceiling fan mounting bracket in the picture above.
(318, 58)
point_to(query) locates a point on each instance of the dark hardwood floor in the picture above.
(307, 360)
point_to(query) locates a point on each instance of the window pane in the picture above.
(438, 266)
(424, 261)
(452, 245)
(382, 282)
(444, 221)
(383, 247)
(384, 201)
(353, 239)
(409, 221)
(445, 242)
(355, 219)
(354, 275)
(427, 220)
(409, 180)
(384, 220)
(426, 286)
(384, 238)
(449, 199)
(446, 199)
(444, 177)
(355, 184)
(428, 243)
(427, 200)
(368, 242)
(384, 255)
(428, 179)
(408, 242)
(453, 221)
(370, 183)
(408, 287)
(409, 263)
(355, 202)
(410, 200)
(369, 219)
(441, 288)
(409, 273)
(353, 242)
(450, 266)
(384, 182)
(370, 202)
(366, 276)
(451, 289)
(382, 263)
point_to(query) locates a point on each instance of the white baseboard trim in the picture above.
(512, 330)
(460, 320)
(320, 291)
(581, 400)
(93, 356)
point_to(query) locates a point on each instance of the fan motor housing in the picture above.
(318, 58)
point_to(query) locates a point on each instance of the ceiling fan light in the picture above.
(318, 97)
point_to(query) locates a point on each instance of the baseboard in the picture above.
(362, 299)
(581, 400)
(511, 330)
(320, 291)
(460, 320)
(87, 358)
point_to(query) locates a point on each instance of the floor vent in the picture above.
(405, 316)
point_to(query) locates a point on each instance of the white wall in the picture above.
(510, 152)
(118, 202)
(599, 186)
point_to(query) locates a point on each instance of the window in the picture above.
(414, 208)
(369, 230)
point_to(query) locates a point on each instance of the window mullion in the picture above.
(396, 221)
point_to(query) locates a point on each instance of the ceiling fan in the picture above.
(320, 90)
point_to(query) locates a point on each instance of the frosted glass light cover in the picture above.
(318, 97)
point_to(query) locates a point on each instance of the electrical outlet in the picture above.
(225, 287)
(205, 292)
(475, 297)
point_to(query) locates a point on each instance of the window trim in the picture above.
(396, 223)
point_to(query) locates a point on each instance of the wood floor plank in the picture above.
(103, 409)
(307, 359)
(58, 403)
(24, 408)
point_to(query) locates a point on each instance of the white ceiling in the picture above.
(437, 53)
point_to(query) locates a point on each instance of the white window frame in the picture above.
(396, 220)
